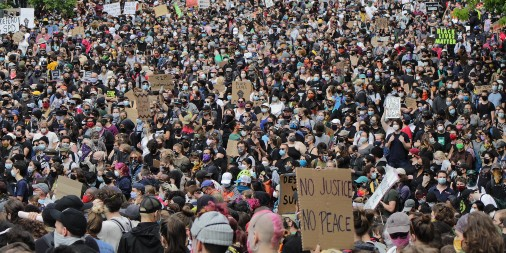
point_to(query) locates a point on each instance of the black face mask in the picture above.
(177, 131)
(209, 127)
(122, 130)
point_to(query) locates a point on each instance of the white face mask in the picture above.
(275, 194)
(396, 127)
(265, 163)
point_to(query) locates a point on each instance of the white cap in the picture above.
(336, 121)
(226, 178)
(244, 179)
(401, 171)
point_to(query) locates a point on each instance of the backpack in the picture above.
(501, 203)
(123, 230)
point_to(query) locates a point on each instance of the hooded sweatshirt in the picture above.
(144, 238)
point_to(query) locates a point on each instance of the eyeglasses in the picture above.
(399, 235)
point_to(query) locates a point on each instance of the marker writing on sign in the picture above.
(336, 187)
(329, 222)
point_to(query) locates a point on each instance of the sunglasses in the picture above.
(399, 235)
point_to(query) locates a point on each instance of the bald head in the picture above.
(265, 231)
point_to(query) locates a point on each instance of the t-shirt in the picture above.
(51, 136)
(392, 195)
(22, 189)
(111, 231)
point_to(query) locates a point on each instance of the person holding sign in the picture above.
(398, 144)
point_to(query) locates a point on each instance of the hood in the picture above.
(148, 233)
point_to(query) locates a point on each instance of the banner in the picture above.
(130, 8)
(288, 188)
(9, 25)
(113, 9)
(392, 107)
(446, 36)
(389, 180)
(269, 3)
(161, 10)
(325, 204)
(241, 89)
(204, 4)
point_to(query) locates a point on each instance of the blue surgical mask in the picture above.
(282, 152)
(370, 113)
(441, 180)
(8, 166)
(303, 163)
(42, 146)
(374, 175)
(133, 195)
(145, 87)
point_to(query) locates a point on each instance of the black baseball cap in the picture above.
(72, 219)
(150, 204)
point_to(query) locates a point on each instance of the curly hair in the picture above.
(111, 198)
(422, 228)
(444, 213)
(481, 235)
(36, 228)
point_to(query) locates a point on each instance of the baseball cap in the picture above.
(408, 205)
(398, 223)
(139, 187)
(72, 219)
(131, 212)
(69, 201)
(42, 186)
(226, 178)
(206, 183)
(150, 204)
(361, 180)
(203, 201)
(244, 179)
(213, 228)
(401, 171)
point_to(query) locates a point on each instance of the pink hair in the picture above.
(277, 226)
(123, 168)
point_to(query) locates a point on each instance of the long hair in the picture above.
(174, 232)
(481, 235)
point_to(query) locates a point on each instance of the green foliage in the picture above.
(461, 14)
(65, 7)
(4, 5)
(495, 6)
(502, 21)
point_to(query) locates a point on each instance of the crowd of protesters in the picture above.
(320, 73)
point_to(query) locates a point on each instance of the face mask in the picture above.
(282, 152)
(133, 195)
(401, 243)
(370, 113)
(459, 146)
(275, 194)
(116, 173)
(264, 110)
(265, 163)
(30, 169)
(303, 163)
(452, 111)
(441, 180)
(501, 114)
(13, 174)
(374, 175)
(100, 179)
(395, 127)
(440, 128)
(206, 158)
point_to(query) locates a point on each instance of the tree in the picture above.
(64, 7)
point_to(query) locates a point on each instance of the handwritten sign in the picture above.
(288, 188)
(482, 88)
(143, 108)
(130, 8)
(161, 10)
(392, 107)
(27, 17)
(382, 23)
(158, 81)
(411, 103)
(232, 148)
(204, 4)
(241, 89)
(269, 3)
(111, 94)
(113, 9)
(66, 186)
(191, 3)
(18, 37)
(389, 180)
(9, 25)
(131, 97)
(132, 114)
(354, 60)
(326, 213)
(178, 10)
(446, 36)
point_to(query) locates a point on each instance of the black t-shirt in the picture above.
(485, 109)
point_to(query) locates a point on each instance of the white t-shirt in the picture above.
(111, 231)
(53, 139)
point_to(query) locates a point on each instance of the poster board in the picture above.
(480, 89)
(446, 36)
(55, 75)
(9, 25)
(204, 4)
(191, 3)
(382, 23)
(143, 108)
(269, 3)
(113, 9)
(66, 186)
(392, 107)
(18, 37)
(232, 148)
(325, 206)
(130, 8)
(161, 10)
(78, 30)
(130, 95)
(27, 17)
(354, 60)
(288, 188)
(159, 81)
(241, 89)
(411, 103)
(431, 6)
(178, 10)
(389, 180)
(132, 114)
(111, 94)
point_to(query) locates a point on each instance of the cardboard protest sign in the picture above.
(152, 99)
(18, 37)
(480, 89)
(156, 163)
(354, 60)
(382, 23)
(204, 4)
(161, 10)
(132, 114)
(241, 89)
(446, 36)
(431, 6)
(324, 199)
(191, 3)
(131, 96)
(411, 103)
(78, 30)
(113, 9)
(392, 107)
(269, 3)
(389, 180)
(162, 80)
(130, 8)
(143, 108)
(66, 186)
(288, 188)
(232, 148)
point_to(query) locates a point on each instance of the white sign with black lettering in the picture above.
(113, 9)
(130, 8)
(9, 25)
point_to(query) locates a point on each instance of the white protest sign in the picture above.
(113, 9)
(204, 4)
(130, 8)
(269, 3)
(27, 17)
(9, 25)
(389, 180)
(392, 107)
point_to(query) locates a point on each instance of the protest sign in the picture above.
(66, 186)
(479, 89)
(143, 108)
(382, 23)
(130, 8)
(111, 94)
(178, 10)
(161, 10)
(161, 80)
(269, 3)
(27, 17)
(78, 30)
(132, 114)
(288, 188)
(241, 89)
(9, 25)
(446, 36)
(113, 9)
(191, 3)
(392, 107)
(353, 60)
(411, 103)
(389, 180)
(324, 199)
(204, 4)
(131, 97)
(55, 74)
(232, 148)
(18, 37)
(431, 6)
